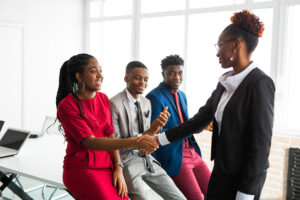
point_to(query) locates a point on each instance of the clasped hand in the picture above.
(148, 143)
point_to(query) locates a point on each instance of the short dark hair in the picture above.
(134, 64)
(171, 60)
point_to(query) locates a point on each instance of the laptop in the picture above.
(12, 141)
(49, 126)
(1, 124)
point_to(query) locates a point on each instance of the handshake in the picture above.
(148, 142)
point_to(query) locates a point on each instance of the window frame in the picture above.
(278, 43)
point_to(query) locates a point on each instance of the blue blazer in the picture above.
(170, 156)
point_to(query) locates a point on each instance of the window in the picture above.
(149, 30)
(262, 54)
(209, 3)
(110, 43)
(107, 8)
(288, 91)
(202, 66)
(160, 37)
(148, 6)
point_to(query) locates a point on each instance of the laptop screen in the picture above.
(13, 139)
(1, 124)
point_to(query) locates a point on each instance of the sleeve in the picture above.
(243, 196)
(110, 128)
(195, 124)
(115, 119)
(162, 139)
(72, 122)
(261, 124)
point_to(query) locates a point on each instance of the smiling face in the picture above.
(137, 81)
(91, 76)
(173, 76)
(226, 50)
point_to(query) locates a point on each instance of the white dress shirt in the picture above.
(230, 81)
(133, 110)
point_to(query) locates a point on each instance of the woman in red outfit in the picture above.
(92, 169)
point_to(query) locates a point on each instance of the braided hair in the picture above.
(67, 80)
(245, 25)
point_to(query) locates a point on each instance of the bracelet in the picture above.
(118, 164)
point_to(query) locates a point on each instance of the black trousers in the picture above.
(224, 187)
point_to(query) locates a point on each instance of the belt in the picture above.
(147, 158)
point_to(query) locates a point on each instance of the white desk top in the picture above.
(40, 159)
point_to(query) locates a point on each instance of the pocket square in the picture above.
(147, 113)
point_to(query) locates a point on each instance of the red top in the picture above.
(97, 121)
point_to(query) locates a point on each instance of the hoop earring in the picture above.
(75, 87)
(83, 86)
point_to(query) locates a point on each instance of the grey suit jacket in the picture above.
(122, 120)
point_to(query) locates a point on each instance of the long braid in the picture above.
(64, 87)
(67, 80)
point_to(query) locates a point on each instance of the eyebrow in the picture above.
(94, 67)
(175, 71)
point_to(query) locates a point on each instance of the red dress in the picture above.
(87, 173)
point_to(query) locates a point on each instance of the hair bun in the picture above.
(249, 22)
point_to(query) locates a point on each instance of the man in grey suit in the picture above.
(131, 115)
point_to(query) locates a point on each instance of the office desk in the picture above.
(40, 159)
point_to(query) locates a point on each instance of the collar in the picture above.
(130, 97)
(231, 81)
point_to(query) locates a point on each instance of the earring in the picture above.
(75, 87)
(83, 86)
(231, 58)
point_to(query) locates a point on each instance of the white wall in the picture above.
(11, 51)
(52, 31)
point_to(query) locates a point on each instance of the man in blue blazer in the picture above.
(181, 159)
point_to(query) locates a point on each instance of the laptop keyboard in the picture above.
(5, 151)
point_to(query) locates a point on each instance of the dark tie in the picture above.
(139, 116)
(141, 130)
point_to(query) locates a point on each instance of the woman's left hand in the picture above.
(118, 180)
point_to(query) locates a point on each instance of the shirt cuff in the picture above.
(243, 196)
(162, 138)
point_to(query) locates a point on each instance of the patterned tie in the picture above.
(141, 130)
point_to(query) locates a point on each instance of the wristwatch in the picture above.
(118, 164)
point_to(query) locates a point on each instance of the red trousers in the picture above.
(194, 174)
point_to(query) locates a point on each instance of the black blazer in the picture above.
(242, 146)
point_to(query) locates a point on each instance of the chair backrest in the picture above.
(50, 126)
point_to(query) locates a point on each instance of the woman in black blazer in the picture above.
(241, 108)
